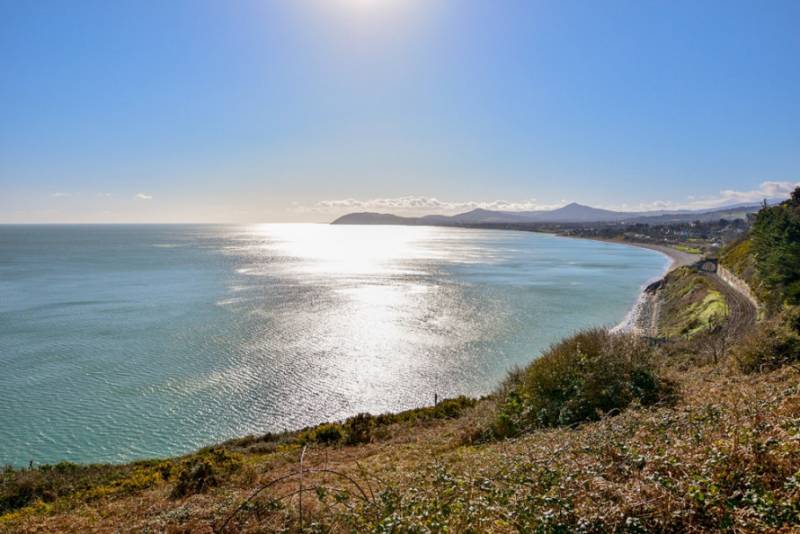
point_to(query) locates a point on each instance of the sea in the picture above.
(124, 342)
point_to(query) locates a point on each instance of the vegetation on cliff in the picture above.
(690, 304)
(768, 259)
(776, 249)
(738, 258)
(581, 379)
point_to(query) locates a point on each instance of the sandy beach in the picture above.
(679, 258)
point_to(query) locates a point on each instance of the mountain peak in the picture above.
(575, 205)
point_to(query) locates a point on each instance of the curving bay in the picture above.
(125, 342)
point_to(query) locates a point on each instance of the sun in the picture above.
(367, 4)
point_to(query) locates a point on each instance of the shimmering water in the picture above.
(123, 342)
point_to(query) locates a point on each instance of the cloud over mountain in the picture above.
(417, 205)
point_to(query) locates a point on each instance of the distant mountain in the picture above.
(367, 217)
(488, 216)
(575, 212)
(571, 213)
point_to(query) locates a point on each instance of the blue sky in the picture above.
(137, 111)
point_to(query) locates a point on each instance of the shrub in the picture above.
(580, 379)
(446, 409)
(47, 483)
(19, 489)
(203, 471)
(359, 428)
(451, 408)
(195, 477)
(328, 433)
(772, 344)
(792, 318)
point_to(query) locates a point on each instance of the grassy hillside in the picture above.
(690, 304)
(602, 433)
(738, 258)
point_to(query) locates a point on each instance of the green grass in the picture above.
(688, 249)
(690, 304)
(705, 314)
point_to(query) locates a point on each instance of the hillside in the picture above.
(690, 432)
(572, 213)
(690, 304)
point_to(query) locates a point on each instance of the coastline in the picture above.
(643, 307)
(642, 318)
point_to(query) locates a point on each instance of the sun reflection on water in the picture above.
(378, 306)
(348, 250)
(339, 319)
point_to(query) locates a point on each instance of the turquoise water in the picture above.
(125, 342)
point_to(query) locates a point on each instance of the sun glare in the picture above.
(369, 5)
(366, 3)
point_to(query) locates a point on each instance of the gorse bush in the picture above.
(203, 471)
(195, 477)
(47, 483)
(328, 434)
(579, 379)
(20, 488)
(366, 428)
(359, 428)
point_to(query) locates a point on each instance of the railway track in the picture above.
(742, 314)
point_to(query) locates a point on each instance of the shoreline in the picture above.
(642, 318)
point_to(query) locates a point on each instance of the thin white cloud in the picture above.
(726, 197)
(765, 190)
(60, 195)
(143, 196)
(417, 204)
